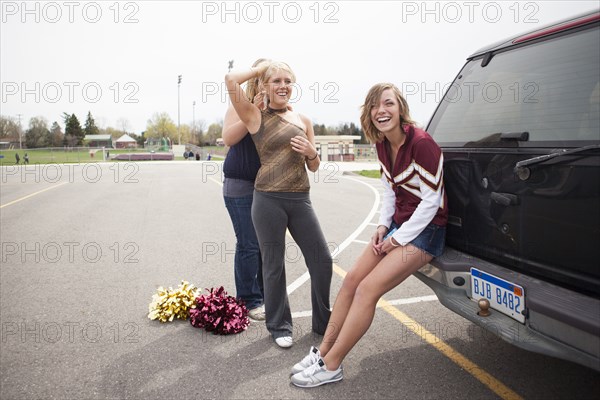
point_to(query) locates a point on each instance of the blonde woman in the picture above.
(285, 143)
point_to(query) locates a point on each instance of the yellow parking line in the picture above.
(32, 194)
(482, 376)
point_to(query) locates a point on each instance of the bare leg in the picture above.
(392, 270)
(362, 267)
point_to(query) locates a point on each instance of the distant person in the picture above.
(208, 157)
(17, 158)
(26, 158)
(197, 156)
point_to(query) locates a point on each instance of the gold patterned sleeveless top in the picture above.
(282, 169)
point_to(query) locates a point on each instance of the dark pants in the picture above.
(272, 213)
(247, 262)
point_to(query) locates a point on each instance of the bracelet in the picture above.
(392, 242)
(316, 155)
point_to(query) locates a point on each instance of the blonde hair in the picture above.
(274, 67)
(372, 99)
(252, 86)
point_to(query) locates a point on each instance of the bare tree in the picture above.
(9, 129)
(124, 124)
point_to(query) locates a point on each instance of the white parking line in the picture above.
(305, 276)
(411, 300)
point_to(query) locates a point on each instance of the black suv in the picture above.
(519, 128)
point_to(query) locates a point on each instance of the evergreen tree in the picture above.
(344, 130)
(357, 131)
(319, 130)
(66, 140)
(90, 126)
(73, 133)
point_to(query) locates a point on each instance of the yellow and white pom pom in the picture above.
(168, 304)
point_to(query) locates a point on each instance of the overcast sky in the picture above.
(121, 60)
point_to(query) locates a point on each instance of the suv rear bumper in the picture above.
(559, 322)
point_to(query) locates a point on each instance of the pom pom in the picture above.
(167, 304)
(219, 313)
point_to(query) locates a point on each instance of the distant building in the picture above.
(336, 147)
(98, 140)
(125, 142)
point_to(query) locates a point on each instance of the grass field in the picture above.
(370, 173)
(61, 156)
(55, 156)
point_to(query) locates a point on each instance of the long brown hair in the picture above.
(372, 99)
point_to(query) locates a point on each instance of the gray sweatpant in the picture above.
(272, 213)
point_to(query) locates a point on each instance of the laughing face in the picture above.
(385, 114)
(279, 88)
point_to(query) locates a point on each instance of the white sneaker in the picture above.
(317, 375)
(258, 313)
(313, 356)
(284, 341)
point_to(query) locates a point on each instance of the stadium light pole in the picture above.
(20, 132)
(178, 108)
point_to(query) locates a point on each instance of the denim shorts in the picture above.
(431, 240)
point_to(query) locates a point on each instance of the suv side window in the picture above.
(549, 89)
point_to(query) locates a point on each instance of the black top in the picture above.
(242, 160)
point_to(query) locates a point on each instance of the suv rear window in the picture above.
(550, 89)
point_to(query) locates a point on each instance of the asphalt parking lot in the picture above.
(84, 249)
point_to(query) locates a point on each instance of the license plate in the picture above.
(504, 296)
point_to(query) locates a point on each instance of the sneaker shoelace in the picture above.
(313, 369)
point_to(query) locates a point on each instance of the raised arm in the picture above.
(247, 112)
